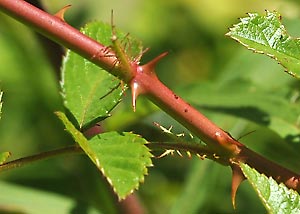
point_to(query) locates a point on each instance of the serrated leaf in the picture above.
(265, 34)
(122, 158)
(89, 92)
(276, 198)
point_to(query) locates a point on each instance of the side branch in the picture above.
(41, 156)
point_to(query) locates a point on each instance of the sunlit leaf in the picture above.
(276, 198)
(89, 92)
(266, 34)
(122, 158)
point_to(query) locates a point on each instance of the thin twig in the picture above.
(41, 156)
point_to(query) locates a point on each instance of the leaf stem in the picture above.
(38, 157)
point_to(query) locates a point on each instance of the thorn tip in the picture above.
(60, 14)
(135, 91)
(237, 178)
(150, 65)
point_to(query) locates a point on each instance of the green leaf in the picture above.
(89, 92)
(265, 34)
(77, 135)
(276, 198)
(122, 158)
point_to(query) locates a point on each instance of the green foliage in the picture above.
(277, 198)
(239, 94)
(230, 85)
(122, 158)
(266, 34)
(34, 201)
(89, 92)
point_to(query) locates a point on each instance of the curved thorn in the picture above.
(237, 178)
(60, 14)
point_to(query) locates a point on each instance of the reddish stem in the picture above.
(183, 112)
(144, 80)
(59, 31)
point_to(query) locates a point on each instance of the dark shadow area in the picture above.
(247, 112)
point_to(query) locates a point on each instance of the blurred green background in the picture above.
(193, 34)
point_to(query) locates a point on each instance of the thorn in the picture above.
(180, 135)
(167, 152)
(215, 156)
(135, 92)
(202, 157)
(237, 178)
(165, 130)
(149, 67)
(179, 153)
(189, 154)
(60, 14)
